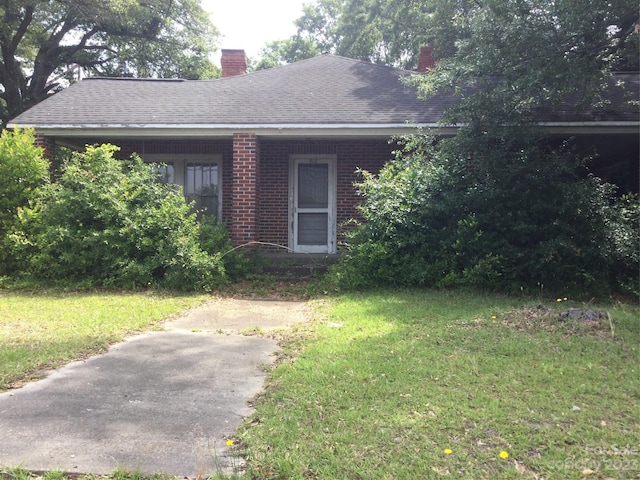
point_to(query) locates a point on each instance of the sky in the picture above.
(249, 24)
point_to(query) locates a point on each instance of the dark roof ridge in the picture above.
(255, 72)
(311, 59)
(365, 62)
(137, 79)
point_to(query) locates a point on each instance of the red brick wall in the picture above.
(48, 145)
(273, 204)
(426, 61)
(233, 62)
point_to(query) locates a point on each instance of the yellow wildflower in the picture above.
(504, 454)
(448, 451)
(229, 443)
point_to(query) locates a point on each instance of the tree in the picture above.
(389, 32)
(514, 56)
(43, 43)
(282, 52)
(525, 218)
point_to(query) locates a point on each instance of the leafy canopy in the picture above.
(522, 54)
(44, 42)
(392, 31)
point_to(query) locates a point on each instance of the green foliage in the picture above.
(110, 223)
(535, 37)
(498, 206)
(181, 48)
(525, 216)
(624, 228)
(282, 52)
(23, 170)
(215, 240)
(390, 32)
(519, 56)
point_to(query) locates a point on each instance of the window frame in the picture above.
(180, 162)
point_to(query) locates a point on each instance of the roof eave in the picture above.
(227, 131)
(299, 130)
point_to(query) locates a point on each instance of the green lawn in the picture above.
(44, 330)
(394, 385)
(405, 385)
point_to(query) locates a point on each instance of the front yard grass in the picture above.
(405, 385)
(393, 384)
(43, 330)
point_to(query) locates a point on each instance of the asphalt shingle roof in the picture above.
(325, 90)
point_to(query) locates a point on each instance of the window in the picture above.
(165, 172)
(202, 187)
(200, 177)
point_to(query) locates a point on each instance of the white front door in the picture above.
(312, 204)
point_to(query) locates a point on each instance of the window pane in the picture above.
(312, 228)
(201, 186)
(313, 185)
(164, 172)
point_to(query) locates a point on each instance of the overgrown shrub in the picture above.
(23, 170)
(111, 223)
(511, 215)
(215, 240)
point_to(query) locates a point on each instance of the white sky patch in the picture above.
(250, 24)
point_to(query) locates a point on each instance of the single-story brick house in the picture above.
(273, 153)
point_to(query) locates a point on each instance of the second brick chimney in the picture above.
(426, 61)
(233, 62)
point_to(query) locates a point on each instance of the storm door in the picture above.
(312, 204)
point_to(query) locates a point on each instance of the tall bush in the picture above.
(508, 215)
(23, 170)
(111, 223)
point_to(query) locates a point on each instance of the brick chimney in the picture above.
(233, 62)
(426, 61)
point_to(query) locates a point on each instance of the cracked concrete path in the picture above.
(161, 402)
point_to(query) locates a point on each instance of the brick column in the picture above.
(48, 145)
(246, 163)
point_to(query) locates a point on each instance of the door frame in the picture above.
(294, 161)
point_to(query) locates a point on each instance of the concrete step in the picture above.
(296, 265)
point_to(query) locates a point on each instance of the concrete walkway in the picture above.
(161, 402)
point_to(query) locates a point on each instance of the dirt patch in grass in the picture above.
(572, 321)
